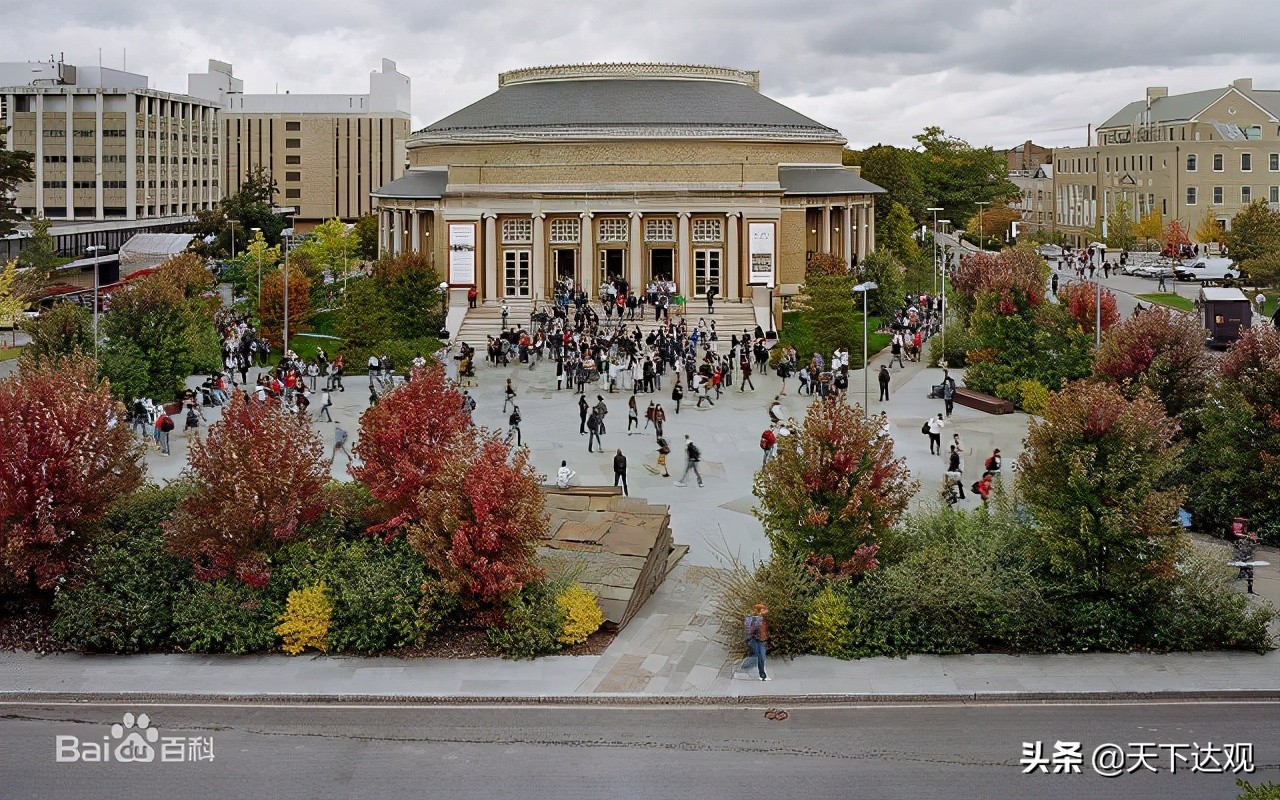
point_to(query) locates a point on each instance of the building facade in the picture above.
(327, 152)
(108, 148)
(1209, 152)
(643, 172)
(1036, 204)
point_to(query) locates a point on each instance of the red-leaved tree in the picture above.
(66, 454)
(833, 487)
(1081, 300)
(1160, 350)
(479, 524)
(257, 481)
(1175, 238)
(406, 438)
(1017, 276)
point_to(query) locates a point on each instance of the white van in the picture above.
(1207, 269)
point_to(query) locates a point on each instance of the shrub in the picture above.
(782, 584)
(829, 615)
(959, 342)
(224, 617)
(305, 622)
(1263, 791)
(1204, 609)
(121, 600)
(438, 609)
(1035, 396)
(400, 351)
(374, 589)
(531, 625)
(582, 614)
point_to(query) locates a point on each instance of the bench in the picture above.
(982, 402)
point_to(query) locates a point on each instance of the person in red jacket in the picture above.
(768, 441)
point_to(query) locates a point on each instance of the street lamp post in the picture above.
(285, 345)
(95, 248)
(935, 210)
(444, 304)
(865, 289)
(943, 321)
(1097, 315)
(980, 204)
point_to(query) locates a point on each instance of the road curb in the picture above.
(793, 700)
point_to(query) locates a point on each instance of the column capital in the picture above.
(587, 214)
(734, 214)
(685, 214)
(634, 214)
(539, 215)
(488, 215)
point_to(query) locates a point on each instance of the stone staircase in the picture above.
(731, 317)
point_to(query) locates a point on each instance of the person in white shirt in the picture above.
(565, 476)
(935, 434)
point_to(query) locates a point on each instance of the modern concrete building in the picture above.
(1206, 152)
(641, 171)
(327, 152)
(108, 149)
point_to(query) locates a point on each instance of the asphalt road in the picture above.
(881, 751)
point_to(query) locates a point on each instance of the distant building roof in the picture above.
(419, 183)
(626, 101)
(153, 247)
(1186, 107)
(821, 179)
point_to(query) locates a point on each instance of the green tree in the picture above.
(1121, 229)
(331, 247)
(11, 300)
(364, 319)
(895, 170)
(1254, 242)
(889, 275)
(251, 206)
(411, 290)
(830, 302)
(897, 235)
(366, 232)
(1096, 478)
(39, 257)
(1209, 230)
(147, 349)
(15, 170)
(62, 331)
(957, 175)
(1150, 228)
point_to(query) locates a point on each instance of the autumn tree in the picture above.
(825, 264)
(1234, 466)
(1254, 242)
(1095, 477)
(406, 439)
(479, 523)
(1175, 238)
(12, 301)
(833, 486)
(993, 223)
(1081, 300)
(1121, 229)
(61, 331)
(187, 273)
(1150, 228)
(1018, 275)
(1159, 351)
(273, 304)
(65, 456)
(1209, 231)
(256, 481)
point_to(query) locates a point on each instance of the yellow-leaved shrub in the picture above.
(582, 614)
(829, 623)
(305, 621)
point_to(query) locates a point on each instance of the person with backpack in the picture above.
(768, 441)
(163, 426)
(692, 455)
(933, 428)
(756, 631)
(514, 422)
(993, 463)
(620, 471)
(141, 418)
(192, 422)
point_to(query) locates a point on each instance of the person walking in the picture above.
(993, 464)
(934, 429)
(663, 450)
(948, 391)
(164, 424)
(326, 400)
(514, 422)
(711, 299)
(659, 418)
(757, 634)
(620, 471)
(594, 424)
(768, 441)
(1161, 287)
(677, 394)
(633, 415)
(509, 396)
(601, 410)
(884, 382)
(583, 408)
(955, 470)
(340, 444)
(692, 456)
(895, 350)
(744, 366)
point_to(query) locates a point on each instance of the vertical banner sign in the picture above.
(760, 236)
(462, 254)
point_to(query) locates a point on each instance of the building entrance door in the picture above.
(515, 273)
(611, 266)
(706, 272)
(564, 268)
(662, 262)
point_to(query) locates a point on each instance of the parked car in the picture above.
(1207, 269)
(1158, 270)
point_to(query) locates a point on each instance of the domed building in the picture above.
(645, 172)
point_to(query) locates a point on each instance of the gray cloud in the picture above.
(992, 71)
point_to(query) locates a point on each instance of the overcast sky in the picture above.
(991, 71)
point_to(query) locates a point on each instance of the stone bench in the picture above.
(982, 402)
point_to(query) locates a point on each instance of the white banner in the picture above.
(760, 251)
(462, 254)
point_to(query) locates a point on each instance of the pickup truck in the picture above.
(1206, 269)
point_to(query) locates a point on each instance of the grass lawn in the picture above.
(325, 322)
(797, 332)
(1169, 299)
(7, 353)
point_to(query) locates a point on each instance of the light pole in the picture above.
(285, 345)
(1097, 316)
(444, 304)
(980, 204)
(864, 289)
(943, 321)
(95, 248)
(256, 231)
(935, 210)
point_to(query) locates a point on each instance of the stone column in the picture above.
(587, 253)
(824, 240)
(538, 280)
(397, 231)
(733, 261)
(71, 192)
(415, 230)
(846, 228)
(491, 288)
(871, 227)
(685, 255)
(862, 231)
(38, 164)
(97, 155)
(635, 250)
